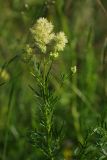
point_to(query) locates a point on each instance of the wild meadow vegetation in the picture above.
(53, 80)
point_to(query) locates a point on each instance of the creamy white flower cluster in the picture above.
(43, 36)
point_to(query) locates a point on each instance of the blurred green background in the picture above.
(83, 99)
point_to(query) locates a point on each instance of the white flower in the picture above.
(44, 37)
(73, 69)
(60, 41)
(54, 54)
(42, 33)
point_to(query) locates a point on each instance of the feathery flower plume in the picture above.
(42, 33)
(60, 40)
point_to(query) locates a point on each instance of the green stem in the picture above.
(47, 111)
(44, 75)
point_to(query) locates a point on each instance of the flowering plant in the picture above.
(47, 137)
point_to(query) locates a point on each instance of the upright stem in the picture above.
(47, 111)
